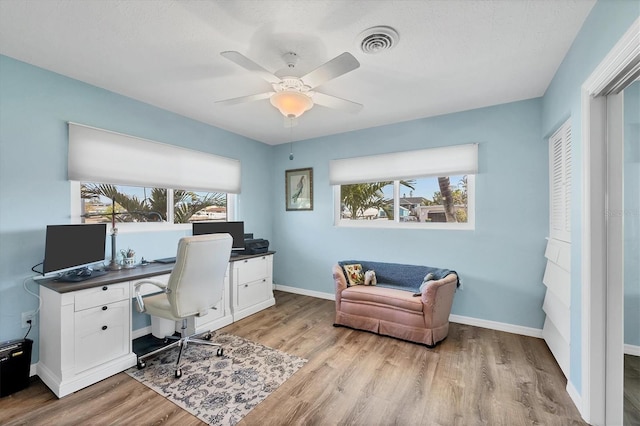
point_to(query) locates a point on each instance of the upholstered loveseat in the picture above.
(396, 306)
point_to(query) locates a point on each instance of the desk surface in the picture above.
(139, 272)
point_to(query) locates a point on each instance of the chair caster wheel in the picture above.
(178, 373)
(207, 336)
(141, 365)
(220, 352)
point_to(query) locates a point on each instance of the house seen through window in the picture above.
(141, 204)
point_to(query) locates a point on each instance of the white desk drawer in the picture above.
(101, 334)
(250, 270)
(100, 296)
(251, 293)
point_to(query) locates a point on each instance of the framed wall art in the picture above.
(299, 189)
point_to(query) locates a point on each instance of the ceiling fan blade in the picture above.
(335, 102)
(243, 99)
(339, 65)
(246, 63)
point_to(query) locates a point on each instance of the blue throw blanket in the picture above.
(399, 276)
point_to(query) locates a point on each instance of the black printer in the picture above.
(256, 246)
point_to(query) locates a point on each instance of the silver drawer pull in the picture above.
(104, 327)
(104, 308)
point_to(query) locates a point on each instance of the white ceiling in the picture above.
(453, 55)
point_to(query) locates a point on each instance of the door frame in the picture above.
(599, 339)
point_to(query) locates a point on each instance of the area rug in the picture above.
(219, 390)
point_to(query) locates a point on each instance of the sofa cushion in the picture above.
(354, 274)
(399, 276)
(383, 296)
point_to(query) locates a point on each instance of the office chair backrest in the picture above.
(197, 281)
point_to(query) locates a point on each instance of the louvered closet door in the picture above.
(557, 276)
(560, 182)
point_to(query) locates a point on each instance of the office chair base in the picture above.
(182, 342)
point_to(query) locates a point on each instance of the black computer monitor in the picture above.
(235, 229)
(70, 247)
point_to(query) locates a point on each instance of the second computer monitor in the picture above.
(235, 229)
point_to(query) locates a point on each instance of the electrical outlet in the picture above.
(26, 316)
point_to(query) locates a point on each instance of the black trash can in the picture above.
(15, 362)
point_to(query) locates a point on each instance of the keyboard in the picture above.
(166, 260)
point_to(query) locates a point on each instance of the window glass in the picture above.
(192, 206)
(366, 201)
(425, 200)
(140, 204)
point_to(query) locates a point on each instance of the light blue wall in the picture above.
(632, 214)
(501, 262)
(35, 106)
(607, 22)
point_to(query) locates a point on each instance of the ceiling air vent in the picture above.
(377, 39)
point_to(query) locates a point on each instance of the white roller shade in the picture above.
(444, 161)
(97, 155)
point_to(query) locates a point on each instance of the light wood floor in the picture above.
(476, 376)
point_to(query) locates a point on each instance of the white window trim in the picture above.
(396, 224)
(136, 227)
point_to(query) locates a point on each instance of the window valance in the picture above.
(97, 155)
(443, 161)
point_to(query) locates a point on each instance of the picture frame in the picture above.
(298, 185)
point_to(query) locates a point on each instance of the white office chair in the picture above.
(196, 285)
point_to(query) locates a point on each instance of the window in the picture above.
(432, 188)
(142, 204)
(419, 202)
(142, 179)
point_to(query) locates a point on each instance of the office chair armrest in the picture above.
(139, 299)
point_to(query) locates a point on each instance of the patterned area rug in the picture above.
(219, 390)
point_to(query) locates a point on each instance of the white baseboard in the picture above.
(140, 332)
(499, 326)
(304, 292)
(632, 350)
(493, 325)
(33, 369)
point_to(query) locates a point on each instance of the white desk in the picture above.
(85, 327)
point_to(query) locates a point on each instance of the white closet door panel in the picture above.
(558, 281)
(557, 344)
(559, 252)
(558, 313)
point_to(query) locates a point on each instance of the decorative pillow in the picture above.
(355, 276)
(370, 278)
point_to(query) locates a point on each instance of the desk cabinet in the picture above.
(252, 285)
(85, 336)
(85, 328)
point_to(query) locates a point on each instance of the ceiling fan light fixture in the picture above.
(291, 103)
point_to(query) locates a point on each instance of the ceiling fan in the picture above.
(295, 95)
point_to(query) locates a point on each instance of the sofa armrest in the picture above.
(437, 299)
(340, 282)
